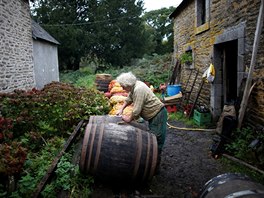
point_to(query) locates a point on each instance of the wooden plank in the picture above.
(175, 97)
(252, 64)
(56, 160)
(173, 102)
(243, 163)
(175, 72)
(190, 92)
(187, 93)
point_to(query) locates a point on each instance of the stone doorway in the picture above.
(228, 59)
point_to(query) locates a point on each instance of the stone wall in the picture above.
(225, 16)
(16, 46)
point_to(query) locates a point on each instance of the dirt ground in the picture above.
(186, 166)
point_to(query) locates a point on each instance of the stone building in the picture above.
(25, 62)
(221, 32)
(16, 46)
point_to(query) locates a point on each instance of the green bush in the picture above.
(34, 125)
(52, 110)
(79, 78)
(153, 69)
(240, 146)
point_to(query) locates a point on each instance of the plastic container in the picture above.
(171, 108)
(201, 118)
(173, 89)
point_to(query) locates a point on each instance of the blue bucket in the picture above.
(173, 89)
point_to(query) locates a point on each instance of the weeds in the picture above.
(247, 145)
(34, 126)
(149, 69)
(231, 166)
(180, 116)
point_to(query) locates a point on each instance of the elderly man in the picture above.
(146, 105)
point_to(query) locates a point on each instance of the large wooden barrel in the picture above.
(231, 185)
(100, 119)
(102, 81)
(118, 153)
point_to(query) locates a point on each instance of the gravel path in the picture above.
(186, 165)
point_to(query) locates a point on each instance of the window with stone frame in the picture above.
(202, 12)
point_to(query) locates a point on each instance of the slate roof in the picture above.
(39, 33)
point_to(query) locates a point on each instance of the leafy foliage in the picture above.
(54, 109)
(36, 166)
(186, 58)
(64, 168)
(6, 126)
(153, 69)
(240, 146)
(112, 31)
(13, 156)
(34, 125)
(68, 178)
(79, 78)
(233, 167)
(162, 27)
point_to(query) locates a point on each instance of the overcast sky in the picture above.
(158, 4)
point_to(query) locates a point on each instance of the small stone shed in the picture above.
(222, 32)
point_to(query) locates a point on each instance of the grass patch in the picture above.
(234, 167)
(79, 78)
(180, 116)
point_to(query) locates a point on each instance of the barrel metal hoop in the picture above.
(84, 147)
(99, 146)
(138, 152)
(219, 180)
(243, 192)
(91, 146)
(154, 156)
(147, 158)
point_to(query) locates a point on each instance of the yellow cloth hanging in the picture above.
(209, 74)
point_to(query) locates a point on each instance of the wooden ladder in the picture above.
(186, 92)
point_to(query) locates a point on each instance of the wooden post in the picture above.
(251, 69)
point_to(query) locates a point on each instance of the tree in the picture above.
(111, 30)
(119, 34)
(159, 21)
(61, 18)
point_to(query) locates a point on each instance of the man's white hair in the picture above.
(127, 79)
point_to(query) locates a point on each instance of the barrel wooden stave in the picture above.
(118, 153)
